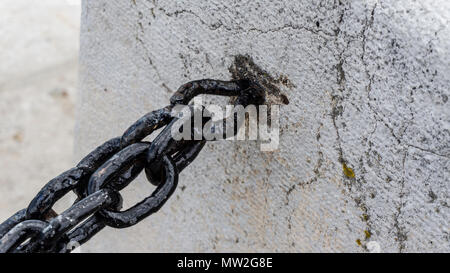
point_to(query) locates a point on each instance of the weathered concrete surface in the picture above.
(38, 79)
(364, 145)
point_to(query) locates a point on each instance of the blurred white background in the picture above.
(38, 81)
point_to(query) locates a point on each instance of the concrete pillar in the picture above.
(363, 159)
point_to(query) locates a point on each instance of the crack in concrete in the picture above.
(238, 29)
(293, 27)
(367, 26)
(316, 170)
(337, 110)
(379, 117)
(427, 150)
(149, 59)
(141, 31)
(400, 231)
(314, 179)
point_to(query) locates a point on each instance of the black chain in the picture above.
(111, 167)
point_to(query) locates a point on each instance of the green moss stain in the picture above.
(348, 171)
(365, 217)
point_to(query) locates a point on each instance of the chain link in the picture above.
(111, 167)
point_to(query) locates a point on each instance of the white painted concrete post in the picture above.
(363, 161)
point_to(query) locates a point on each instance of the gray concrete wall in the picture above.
(363, 160)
